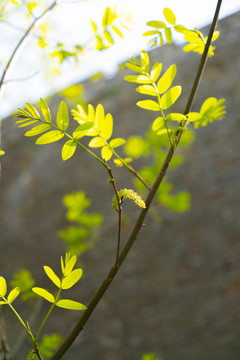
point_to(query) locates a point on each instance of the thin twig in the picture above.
(138, 225)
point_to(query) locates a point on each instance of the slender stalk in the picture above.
(138, 225)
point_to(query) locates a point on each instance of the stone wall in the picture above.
(178, 293)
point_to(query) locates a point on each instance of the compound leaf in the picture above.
(148, 105)
(44, 293)
(70, 304)
(169, 98)
(68, 149)
(50, 137)
(33, 111)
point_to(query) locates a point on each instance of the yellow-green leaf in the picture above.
(169, 16)
(144, 60)
(13, 294)
(166, 80)
(157, 24)
(168, 35)
(94, 26)
(158, 123)
(194, 116)
(176, 117)
(62, 116)
(106, 153)
(169, 98)
(108, 37)
(117, 31)
(50, 137)
(52, 276)
(148, 105)
(45, 110)
(37, 130)
(139, 79)
(99, 118)
(33, 111)
(29, 123)
(44, 293)
(107, 127)
(68, 149)
(147, 90)
(105, 17)
(156, 71)
(70, 304)
(97, 142)
(82, 130)
(162, 132)
(117, 142)
(71, 279)
(3, 286)
(70, 261)
(134, 67)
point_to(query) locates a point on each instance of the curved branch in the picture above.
(113, 271)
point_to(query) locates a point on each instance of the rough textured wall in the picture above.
(178, 292)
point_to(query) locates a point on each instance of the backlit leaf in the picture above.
(70, 304)
(105, 17)
(166, 80)
(169, 16)
(147, 90)
(94, 26)
(62, 116)
(158, 123)
(45, 110)
(117, 142)
(43, 293)
(13, 294)
(107, 127)
(176, 117)
(162, 132)
(157, 24)
(29, 123)
(106, 153)
(151, 32)
(168, 35)
(194, 116)
(70, 261)
(148, 105)
(99, 117)
(3, 286)
(50, 137)
(38, 130)
(169, 98)
(117, 31)
(133, 67)
(97, 142)
(144, 60)
(108, 37)
(33, 111)
(71, 279)
(156, 71)
(52, 276)
(139, 79)
(82, 130)
(68, 149)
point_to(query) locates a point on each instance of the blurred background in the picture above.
(178, 292)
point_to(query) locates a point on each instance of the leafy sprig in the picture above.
(212, 109)
(127, 194)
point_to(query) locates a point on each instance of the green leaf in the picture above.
(38, 130)
(156, 71)
(106, 153)
(158, 123)
(180, 28)
(44, 293)
(151, 32)
(50, 137)
(194, 116)
(45, 110)
(108, 37)
(29, 123)
(94, 26)
(105, 17)
(52, 276)
(144, 60)
(70, 304)
(62, 116)
(99, 117)
(33, 111)
(107, 127)
(24, 120)
(169, 98)
(168, 35)
(157, 24)
(97, 142)
(68, 149)
(117, 31)
(13, 294)
(3, 302)
(162, 132)
(147, 90)
(134, 67)
(82, 130)
(117, 142)
(166, 80)
(70, 261)
(169, 16)
(139, 79)
(3, 286)
(23, 113)
(176, 117)
(71, 279)
(149, 105)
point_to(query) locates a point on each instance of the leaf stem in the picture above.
(138, 225)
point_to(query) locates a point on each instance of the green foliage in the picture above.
(80, 238)
(69, 278)
(196, 40)
(212, 109)
(127, 194)
(150, 356)
(3, 290)
(48, 344)
(24, 281)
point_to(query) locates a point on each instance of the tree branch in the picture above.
(138, 225)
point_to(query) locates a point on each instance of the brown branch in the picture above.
(113, 271)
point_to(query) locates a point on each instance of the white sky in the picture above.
(74, 26)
